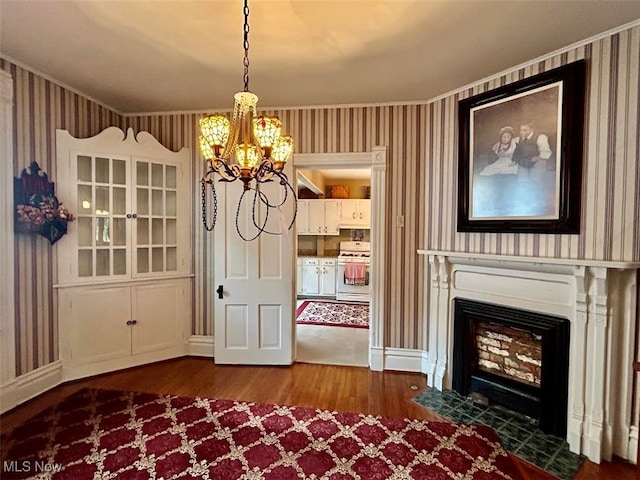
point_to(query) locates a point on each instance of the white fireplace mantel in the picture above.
(598, 297)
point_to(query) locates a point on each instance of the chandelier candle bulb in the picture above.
(259, 154)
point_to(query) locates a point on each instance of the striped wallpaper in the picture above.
(421, 176)
(40, 108)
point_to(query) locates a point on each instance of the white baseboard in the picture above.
(632, 448)
(30, 385)
(83, 370)
(405, 360)
(376, 359)
(201, 346)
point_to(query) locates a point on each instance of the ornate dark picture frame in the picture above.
(520, 155)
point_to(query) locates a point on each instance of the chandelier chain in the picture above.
(246, 46)
(253, 161)
(208, 227)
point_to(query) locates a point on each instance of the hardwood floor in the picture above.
(319, 386)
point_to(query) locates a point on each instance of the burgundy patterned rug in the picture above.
(313, 312)
(101, 434)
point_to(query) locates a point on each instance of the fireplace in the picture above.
(598, 299)
(516, 358)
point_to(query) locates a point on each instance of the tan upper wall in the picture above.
(357, 187)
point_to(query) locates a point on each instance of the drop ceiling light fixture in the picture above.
(249, 148)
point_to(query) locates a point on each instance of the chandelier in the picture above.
(249, 148)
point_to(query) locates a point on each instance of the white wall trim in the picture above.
(201, 346)
(632, 448)
(403, 359)
(30, 385)
(376, 359)
(7, 299)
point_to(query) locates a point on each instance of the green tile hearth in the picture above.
(519, 434)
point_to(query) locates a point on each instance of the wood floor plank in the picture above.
(320, 386)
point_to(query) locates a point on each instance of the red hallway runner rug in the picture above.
(312, 312)
(100, 434)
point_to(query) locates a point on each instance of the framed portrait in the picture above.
(520, 155)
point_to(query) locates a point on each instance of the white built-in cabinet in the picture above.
(124, 278)
(318, 276)
(355, 213)
(318, 217)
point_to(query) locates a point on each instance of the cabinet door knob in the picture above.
(128, 215)
(134, 322)
(129, 322)
(353, 215)
(135, 215)
(361, 216)
(220, 291)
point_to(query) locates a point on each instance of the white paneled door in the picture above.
(254, 302)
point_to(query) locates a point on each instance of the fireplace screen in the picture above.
(509, 352)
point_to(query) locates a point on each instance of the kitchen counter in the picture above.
(314, 255)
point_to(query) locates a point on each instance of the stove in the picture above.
(354, 252)
(352, 279)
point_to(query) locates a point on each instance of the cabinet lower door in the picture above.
(95, 320)
(159, 312)
(310, 280)
(328, 280)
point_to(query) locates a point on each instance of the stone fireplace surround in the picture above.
(597, 297)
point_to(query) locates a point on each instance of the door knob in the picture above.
(220, 291)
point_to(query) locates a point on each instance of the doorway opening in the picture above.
(339, 273)
(333, 286)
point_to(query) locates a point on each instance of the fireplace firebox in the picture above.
(516, 358)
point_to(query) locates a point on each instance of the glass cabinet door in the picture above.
(156, 218)
(102, 216)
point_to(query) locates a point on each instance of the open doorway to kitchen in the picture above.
(338, 287)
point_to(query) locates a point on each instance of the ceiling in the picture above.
(158, 56)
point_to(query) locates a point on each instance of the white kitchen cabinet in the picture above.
(328, 277)
(124, 268)
(332, 217)
(299, 276)
(318, 217)
(117, 326)
(302, 217)
(318, 276)
(310, 276)
(355, 213)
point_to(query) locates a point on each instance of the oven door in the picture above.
(348, 292)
